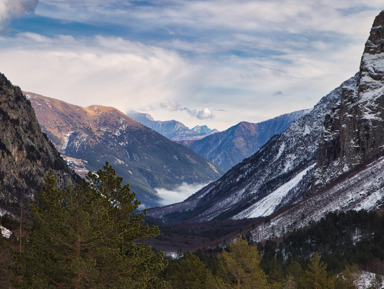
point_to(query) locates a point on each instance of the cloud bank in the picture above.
(10, 9)
(179, 194)
(214, 62)
(202, 114)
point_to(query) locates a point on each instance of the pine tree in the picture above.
(316, 274)
(239, 267)
(191, 273)
(88, 236)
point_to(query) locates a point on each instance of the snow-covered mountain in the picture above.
(227, 148)
(171, 129)
(280, 173)
(90, 136)
(330, 159)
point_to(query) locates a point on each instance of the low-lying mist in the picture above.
(179, 194)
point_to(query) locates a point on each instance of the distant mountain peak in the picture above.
(171, 129)
(229, 147)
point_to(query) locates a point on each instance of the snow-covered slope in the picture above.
(283, 166)
(360, 189)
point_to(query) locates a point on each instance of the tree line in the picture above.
(91, 236)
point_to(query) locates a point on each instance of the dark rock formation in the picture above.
(354, 131)
(26, 153)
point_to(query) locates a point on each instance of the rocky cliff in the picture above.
(26, 153)
(354, 131)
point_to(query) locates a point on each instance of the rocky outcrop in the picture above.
(26, 153)
(354, 131)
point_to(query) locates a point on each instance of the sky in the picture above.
(213, 62)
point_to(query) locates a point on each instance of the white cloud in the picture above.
(15, 8)
(179, 194)
(227, 54)
(202, 114)
(171, 106)
(100, 70)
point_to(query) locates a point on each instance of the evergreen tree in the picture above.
(88, 237)
(316, 274)
(239, 267)
(191, 273)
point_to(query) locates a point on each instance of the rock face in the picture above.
(354, 131)
(26, 153)
(228, 148)
(90, 136)
(171, 129)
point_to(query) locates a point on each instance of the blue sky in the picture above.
(214, 62)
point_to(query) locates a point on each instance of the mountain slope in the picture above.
(171, 129)
(26, 153)
(146, 160)
(228, 148)
(281, 169)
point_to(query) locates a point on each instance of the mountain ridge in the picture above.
(172, 129)
(278, 162)
(230, 147)
(88, 137)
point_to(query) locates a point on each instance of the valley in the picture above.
(295, 196)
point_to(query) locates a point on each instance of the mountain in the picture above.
(270, 179)
(331, 159)
(171, 129)
(26, 153)
(89, 136)
(228, 148)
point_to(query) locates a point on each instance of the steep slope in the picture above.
(171, 129)
(349, 169)
(228, 148)
(146, 160)
(26, 153)
(280, 173)
(361, 188)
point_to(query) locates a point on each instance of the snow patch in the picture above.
(5, 232)
(368, 279)
(281, 149)
(66, 140)
(268, 204)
